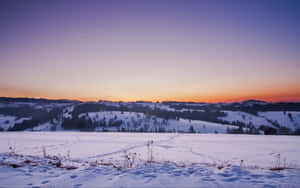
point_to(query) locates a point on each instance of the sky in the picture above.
(202, 51)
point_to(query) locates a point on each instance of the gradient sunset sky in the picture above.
(208, 51)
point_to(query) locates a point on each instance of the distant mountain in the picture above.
(35, 100)
(252, 102)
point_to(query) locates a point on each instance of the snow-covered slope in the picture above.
(9, 121)
(275, 119)
(234, 116)
(284, 119)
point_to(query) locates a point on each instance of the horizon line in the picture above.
(146, 101)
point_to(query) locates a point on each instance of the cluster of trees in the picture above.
(82, 124)
(266, 129)
(20, 111)
(208, 115)
(240, 130)
(95, 107)
(86, 124)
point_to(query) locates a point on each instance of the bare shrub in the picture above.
(12, 147)
(14, 165)
(150, 151)
(281, 165)
(129, 159)
(69, 155)
(44, 151)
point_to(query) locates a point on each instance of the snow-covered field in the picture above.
(178, 160)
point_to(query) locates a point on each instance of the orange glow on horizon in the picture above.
(211, 99)
(268, 95)
(217, 100)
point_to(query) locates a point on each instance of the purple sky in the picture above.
(151, 50)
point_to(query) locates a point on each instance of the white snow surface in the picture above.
(180, 160)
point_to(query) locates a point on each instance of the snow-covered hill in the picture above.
(47, 115)
(132, 121)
